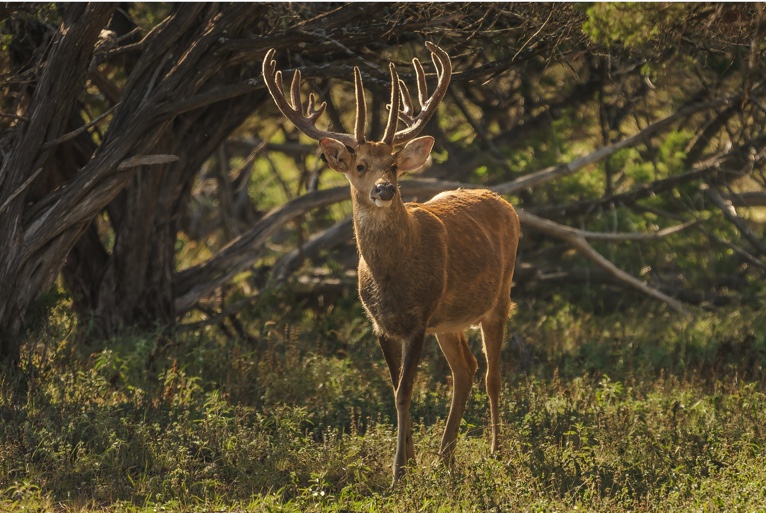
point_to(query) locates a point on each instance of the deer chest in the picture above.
(397, 306)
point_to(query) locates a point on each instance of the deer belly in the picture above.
(455, 324)
(458, 312)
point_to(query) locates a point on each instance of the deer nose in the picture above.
(384, 191)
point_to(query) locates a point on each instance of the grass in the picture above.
(642, 412)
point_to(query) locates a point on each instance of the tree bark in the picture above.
(51, 105)
(133, 282)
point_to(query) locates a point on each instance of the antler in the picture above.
(415, 124)
(390, 132)
(294, 112)
(400, 95)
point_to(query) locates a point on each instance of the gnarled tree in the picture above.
(131, 131)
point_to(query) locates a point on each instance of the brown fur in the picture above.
(437, 267)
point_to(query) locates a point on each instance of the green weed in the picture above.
(639, 412)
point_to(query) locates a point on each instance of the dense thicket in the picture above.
(145, 171)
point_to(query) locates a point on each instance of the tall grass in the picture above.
(642, 411)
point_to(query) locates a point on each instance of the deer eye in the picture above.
(361, 168)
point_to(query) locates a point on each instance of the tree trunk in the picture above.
(51, 105)
(131, 284)
(135, 286)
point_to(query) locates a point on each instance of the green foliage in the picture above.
(643, 411)
(631, 24)
(670, 160)
(149, 14)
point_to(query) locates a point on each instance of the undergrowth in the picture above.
(644, 411)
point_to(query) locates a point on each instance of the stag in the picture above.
(436, 267)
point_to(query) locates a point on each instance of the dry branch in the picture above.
(746, 199)
(332, 236)
(146, 160)
(729, 213)
(78, 131)
(200, 281)
(20, 189)
(577, 238)
(554, 172)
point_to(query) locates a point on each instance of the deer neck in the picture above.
(383, 235)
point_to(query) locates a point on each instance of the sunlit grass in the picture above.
(641, 412)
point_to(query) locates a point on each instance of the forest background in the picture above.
(179, 324)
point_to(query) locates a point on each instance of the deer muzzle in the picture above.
(383, 193)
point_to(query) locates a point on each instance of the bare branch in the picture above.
(146, 160)
(747, 199)
(199, 281)
(577, 239)
(552, 227)
(553, 172)
(325, 239)
(75, 133)
(729, 213)
(20, 189)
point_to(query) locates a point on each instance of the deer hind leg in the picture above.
(493, 332)
(463, 365)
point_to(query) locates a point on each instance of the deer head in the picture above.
(372, 167)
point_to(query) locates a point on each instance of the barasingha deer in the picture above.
(438, 267)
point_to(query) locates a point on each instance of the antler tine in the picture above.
(313, 112)
(361, 107)
(405, 114)
(428, 106)
(295, 91)
(393, 113)
(420, 76)
(294, 112)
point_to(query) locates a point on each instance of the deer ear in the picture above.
(414, 155)
(336, 154)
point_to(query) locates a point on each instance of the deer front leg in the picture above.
(392, 351)
(410, 356)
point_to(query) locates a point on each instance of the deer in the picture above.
(438, 267)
